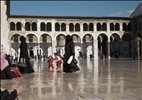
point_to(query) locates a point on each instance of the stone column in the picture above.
(95, 28)
(108, 49)
(95, 49)
(54, 44)
(53, 26)
(67, 28)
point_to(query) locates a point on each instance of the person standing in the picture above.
(69, 51)
(24, 54)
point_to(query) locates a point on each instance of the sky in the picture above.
(74, 8)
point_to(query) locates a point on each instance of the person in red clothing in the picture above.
(58, 61)
(50, 62)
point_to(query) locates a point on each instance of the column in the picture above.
(54, 44)
(81, 27)
(67, 27)
(95, 28)
(95, 49)
(108, 49)
(53, 26)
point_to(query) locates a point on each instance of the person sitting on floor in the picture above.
(5, 70)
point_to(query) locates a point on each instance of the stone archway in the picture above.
(15, 42)
(60, 43)
(115, 45)
(87, 42)
(32, 42)
(77, 44)
(126, 45)
(103, 44)
(45, 43)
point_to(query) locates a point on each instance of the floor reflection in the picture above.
(108, 79)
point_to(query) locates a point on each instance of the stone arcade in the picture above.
(91, 35)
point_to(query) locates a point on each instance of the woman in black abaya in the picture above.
(24, 54)
(69, 51)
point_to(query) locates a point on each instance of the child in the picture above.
(58, 61)
(50, 62)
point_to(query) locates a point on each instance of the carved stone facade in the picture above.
(91, 35)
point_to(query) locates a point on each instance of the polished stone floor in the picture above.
(115, 79)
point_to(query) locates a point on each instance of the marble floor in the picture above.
(114, 79)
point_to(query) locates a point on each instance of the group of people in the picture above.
(69, 51)
(58, 58)
(7, 73)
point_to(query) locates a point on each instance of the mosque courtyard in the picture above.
(107, 79)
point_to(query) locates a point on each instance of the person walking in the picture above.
(24, 54)
(69, 51)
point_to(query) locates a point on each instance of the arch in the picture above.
(27, 26)
(71, 27)
(77, 27)
(45, 38)
(126, 37)
(49, 27)
(104, 27)
(63, 27)
(124, 26)
(115, 37)
(34, 26)
(31, 38)
(103, 44)
(12, 26)
(115, 45)
(85, 27)
(60, 40)
(91, 27)
(18, 26)
(42, 26)
(15, 38)
(126, 45)
(76, 38)
(117, 27)
(87, 41)
(98, 26)
(57, 27)
(129, 26)
(111, 27)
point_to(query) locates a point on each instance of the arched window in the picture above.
(104, 27)
(42, 26)
(98, 27)
(124, 27)
(57, 27)
(18, 26)
(71, 27)
(49, 26)
(63, 27)
(111, 27)
(117, 27)
(27, 26)
(12, 26)
(34, 26)
(77, 27)
(129, 26)
(85, 27)
(91, 27)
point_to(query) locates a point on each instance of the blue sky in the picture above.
(74, 8)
